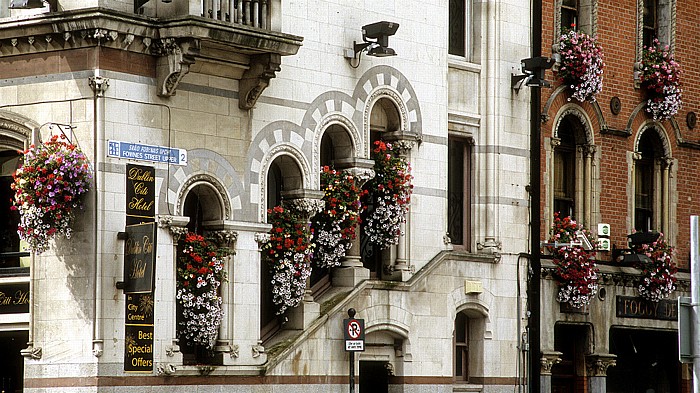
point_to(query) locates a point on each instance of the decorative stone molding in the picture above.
(176, 225)
(232, 350)
(257, 78)
(597, 364)
(171, 350)
(360, 168)
(548, 360)
(98, 85)
(258, 349)
(176, 57)
(307, 202)
(225, 238)
(389, 369)
(262, 238)
(32, 352)
(166, 369)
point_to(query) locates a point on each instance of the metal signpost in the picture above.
(354, 333)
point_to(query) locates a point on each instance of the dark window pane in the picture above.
(455, 189)
(457, 28)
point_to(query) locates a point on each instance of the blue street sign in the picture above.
(143, 152)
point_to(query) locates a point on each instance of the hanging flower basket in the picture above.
(660, 77)
(288, 252)
(576, 271)
(334, 227)
(581, 65)
(48, 188)
(658, 278)
(391, 189)
(200, 272)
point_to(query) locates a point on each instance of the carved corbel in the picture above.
(258, 349)
(176, 57)
(257, 78)
(31, 352)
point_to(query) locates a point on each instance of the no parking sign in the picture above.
(354, 331)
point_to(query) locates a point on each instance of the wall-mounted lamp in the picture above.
(532, 73)
(375, 39)
(26, 4)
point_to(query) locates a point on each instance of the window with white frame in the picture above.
(464, 25)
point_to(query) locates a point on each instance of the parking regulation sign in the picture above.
(354, 332)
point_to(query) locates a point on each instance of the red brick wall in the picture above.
(617, 35)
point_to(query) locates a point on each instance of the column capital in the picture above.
(548, 360)
(176, 224)
(597, 364)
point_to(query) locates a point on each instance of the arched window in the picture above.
(572, 170)
(650, 184)
(565, 171)
(9, 239)
(384, 119)
(467, 338)
(201, 205)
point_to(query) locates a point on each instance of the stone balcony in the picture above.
(233, 39)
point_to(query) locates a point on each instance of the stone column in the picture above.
(597, 368)
(666, 163)
(351, 271)
(307, 203)
(399, 269)
(177, 226)
(589, 152)
(547, 361)
(224, 237)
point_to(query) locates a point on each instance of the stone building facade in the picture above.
(610, 161)
(257, 96)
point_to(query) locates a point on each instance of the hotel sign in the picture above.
(14, 298)
(139, 267)
(637, 307)
(139, 258)
(138, 343)
(140, 194)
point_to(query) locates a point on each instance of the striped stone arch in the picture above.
(578, 112)
(648, 126)
(204, 166)
(274, 140)
(327, 109)
(386, 82)
(15, 130)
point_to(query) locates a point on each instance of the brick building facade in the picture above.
(609, 161)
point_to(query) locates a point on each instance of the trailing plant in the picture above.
(658, 278)
(48, 188)
(334, 227)
(576, 271)
(390, 191)
(660, 77)
(581, 64)
(200, 272)
(288, 252)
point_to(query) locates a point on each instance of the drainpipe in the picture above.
(99, 85)
(535, 161)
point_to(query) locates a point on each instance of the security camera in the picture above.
(381, 31)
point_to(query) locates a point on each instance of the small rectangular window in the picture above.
(650, 22)
(461, 339)
(458, 28)
(569, 14)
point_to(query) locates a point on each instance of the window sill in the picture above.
(467, 387)
(461, 63)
